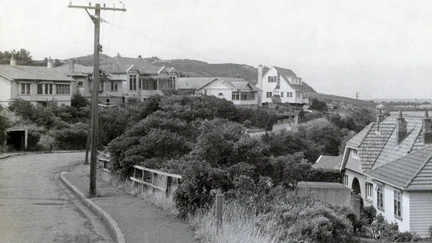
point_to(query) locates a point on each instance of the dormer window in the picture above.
(354, 153)
(272, 79)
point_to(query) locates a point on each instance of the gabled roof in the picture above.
(377, 145)
(78, 69)
(328, 162)
(238, 84)
(192, 83)
(119, 64)
(34, 73)
(288, 73)
(412, 172)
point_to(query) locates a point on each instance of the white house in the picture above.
(381, 148)
(281, 85)
(240, 91)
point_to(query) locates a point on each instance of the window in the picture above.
(369, 190)
(345, 180)
(132, 82)
(289, 94)
(172, 82)
(101, 86)
(48, 88)
(269, 94)
(235, 95)
(114, 86)
(63, 89)
(149, 84)
(281, 94)
(80, 83)
(247, 96)
(380, 197)
(272, 79)
(39, 88)
(398, 204)
(354, 153)
(25, 88)
(305, 95)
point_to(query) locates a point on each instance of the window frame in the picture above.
(369, 190)
(63, 89)
(25, 88)
(397, 203)
(380, 196)
(269, 94)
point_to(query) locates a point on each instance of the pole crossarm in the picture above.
(95, 7)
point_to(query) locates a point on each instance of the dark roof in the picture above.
(32, 73)
(328, 162)
(411, 172)
(122, 64)
(376, 144)
(285, 72)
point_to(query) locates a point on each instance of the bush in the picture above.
(324, 175)
(71, 138)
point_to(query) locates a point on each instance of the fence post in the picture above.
(219, 211)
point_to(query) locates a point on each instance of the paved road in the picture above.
(36, 207)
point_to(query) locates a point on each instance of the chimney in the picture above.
(380, 116)
(401, 128)
(49, 63)
(427, 129)
(260, 76)
(12, 61)
(72, 66)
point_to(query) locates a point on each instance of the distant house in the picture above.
(281, 85)
(240, 91)
(35, 84)
(110, 86)
(143, 78)
(385, 149)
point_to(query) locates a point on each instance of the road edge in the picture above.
(106, 218)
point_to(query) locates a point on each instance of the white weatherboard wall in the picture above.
(5, 91)
(420, 212)
(388, 213)
(269, 87)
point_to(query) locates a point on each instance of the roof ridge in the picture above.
(415, 140)
(376, 158)
(369, 128)
(419, 170)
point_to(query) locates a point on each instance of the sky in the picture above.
(376, 48)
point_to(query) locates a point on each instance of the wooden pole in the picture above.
(219, 211)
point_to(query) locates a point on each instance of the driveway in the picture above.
(35, 206)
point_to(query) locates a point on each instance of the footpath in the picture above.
(132, 218)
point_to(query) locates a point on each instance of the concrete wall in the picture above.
(334, 196)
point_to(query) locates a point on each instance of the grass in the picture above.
(239, 226)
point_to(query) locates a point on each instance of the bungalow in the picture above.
(385, 147)
(34, 83)
(143, 79)
(240, 91)
(281, 85)
(110, 86)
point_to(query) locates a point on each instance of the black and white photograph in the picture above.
(203, 121)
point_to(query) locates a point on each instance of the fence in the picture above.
(155, 180)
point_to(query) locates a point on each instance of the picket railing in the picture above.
(155, 180)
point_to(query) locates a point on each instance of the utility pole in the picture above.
(94, 100)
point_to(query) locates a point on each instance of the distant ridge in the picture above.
(335, 98)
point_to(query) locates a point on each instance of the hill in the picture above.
(334, 98)
(87, 60)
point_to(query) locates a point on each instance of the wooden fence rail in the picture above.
(156, 180)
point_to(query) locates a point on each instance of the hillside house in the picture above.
(381, 149)
(110, 86)
(143, 79)
(237, 90)
(35, 84)
(281, 85)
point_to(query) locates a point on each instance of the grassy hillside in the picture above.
(334, 98)
(87, 60)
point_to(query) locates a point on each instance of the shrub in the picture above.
(73, 137)
(46, 142)
(324, 175)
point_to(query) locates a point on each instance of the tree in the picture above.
(318, 105)
(4, 124)
(78, 101)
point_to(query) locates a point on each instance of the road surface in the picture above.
(36, 207)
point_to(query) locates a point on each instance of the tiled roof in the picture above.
(78, 69)
(376, 144)
(411, 172)
(285, 72)
(32, 73)
(328, 162)
(122, 64)
(198, 82)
